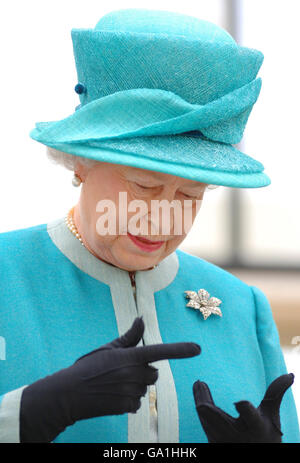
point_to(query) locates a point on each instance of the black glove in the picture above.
(107, 381)
(254, 425)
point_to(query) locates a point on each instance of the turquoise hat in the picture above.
(162, 91)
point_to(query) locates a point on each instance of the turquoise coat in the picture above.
(58, 302)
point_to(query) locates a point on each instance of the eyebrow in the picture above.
(148, 174)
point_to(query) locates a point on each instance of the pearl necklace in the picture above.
(71, 225)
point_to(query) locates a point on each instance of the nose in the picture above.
(166, 213)
(169, 192)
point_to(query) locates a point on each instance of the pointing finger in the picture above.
(157, 352)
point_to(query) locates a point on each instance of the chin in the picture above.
(130, 258)
(135, 262)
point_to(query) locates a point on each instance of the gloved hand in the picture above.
(254, 425)
(107, 381)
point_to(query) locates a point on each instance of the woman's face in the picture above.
(128, 224)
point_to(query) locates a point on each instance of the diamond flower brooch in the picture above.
(201, 300)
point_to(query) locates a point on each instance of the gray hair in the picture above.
(67, 160)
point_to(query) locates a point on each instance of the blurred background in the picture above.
(255, 234)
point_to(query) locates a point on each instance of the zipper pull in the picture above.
(132, 278)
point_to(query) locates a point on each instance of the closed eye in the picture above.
(194, 196)
(144, 187)
(189, 196)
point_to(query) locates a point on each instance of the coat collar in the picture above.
(158, 278)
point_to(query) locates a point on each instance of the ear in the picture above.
(81, 169)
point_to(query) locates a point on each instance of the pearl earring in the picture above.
(76, 180)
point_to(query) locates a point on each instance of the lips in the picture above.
(144, 240)
(145, 244)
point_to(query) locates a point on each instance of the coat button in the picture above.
(80, 88)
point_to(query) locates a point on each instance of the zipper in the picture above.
(152, 388)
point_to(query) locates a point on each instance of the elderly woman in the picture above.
(90, 300)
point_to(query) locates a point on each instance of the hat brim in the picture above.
(184, 155)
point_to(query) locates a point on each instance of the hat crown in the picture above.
(200, 66)
(162, 91)
(195, 60)
(163, 22)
